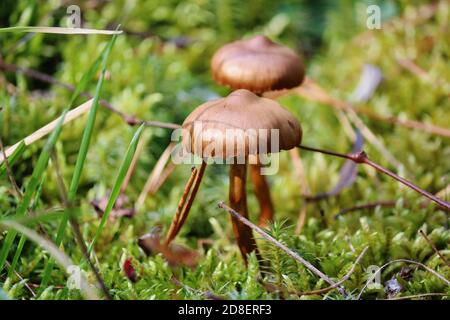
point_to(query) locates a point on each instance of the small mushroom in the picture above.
(232, 129)
(259, 65)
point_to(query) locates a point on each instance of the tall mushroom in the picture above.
(259, 65)
(233, 128)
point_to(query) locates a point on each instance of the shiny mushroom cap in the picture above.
(258, 65)
(239, 125)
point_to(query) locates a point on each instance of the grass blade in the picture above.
(22, 240)
(57, 254)
(59, 30)
(32, 186)
(118, 184)
(85, 141)
(17, 152)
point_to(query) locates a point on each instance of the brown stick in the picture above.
(341, 281)
(236, 215)
(262, 192)
(361, 158)
(176, 219)
(238, 201)
(184, 214)
(434, 247)
(312, 91)
(129, 119)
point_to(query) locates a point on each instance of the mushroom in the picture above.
(232, 129)
(259, 65)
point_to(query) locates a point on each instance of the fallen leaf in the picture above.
(118, 210)
(174, 254)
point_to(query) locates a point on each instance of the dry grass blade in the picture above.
(133, 164)
(59, 30)
(155, 175)
(42, 132)
(57, 254)
(305, 190)
(275, 242)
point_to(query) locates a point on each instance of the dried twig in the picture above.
(22, 280)
(311, 91)
(361, 158)
(9, 172)
(71, 115)
(370, 205)
(434, 247)
(129, 119)
(342, 280)
(275, 242)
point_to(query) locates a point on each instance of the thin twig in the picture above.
(361, 158)
(129, 119)
(370, 205)
(434, 247)
(342, 280)
(71, 115)
(407, 261)
(22, 280)
(76, 226)
(311, 91)
(275, 242)
(9, 172)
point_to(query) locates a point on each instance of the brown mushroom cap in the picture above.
(258, 65)
(230, 127)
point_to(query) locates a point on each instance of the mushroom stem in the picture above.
(238, 202)
(183, 210)
(176, 219)
(361, 158)
(262, 192)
